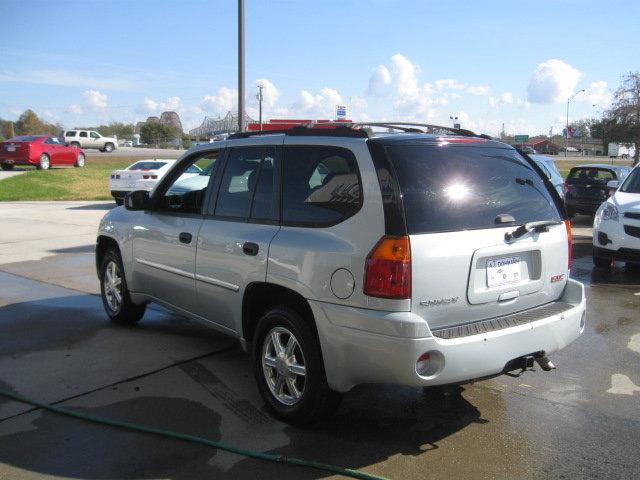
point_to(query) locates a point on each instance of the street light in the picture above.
(260, 97)
(240, 65)
(566, 132)
(455, 121)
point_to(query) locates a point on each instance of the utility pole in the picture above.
(260, 98)
(566, 133)
(240, 65)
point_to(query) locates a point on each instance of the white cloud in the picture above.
(75, 108)
(270, 93)
(507, 98)
(320, 105)
(479, 90)
(94, 99)
(226, 99)
(552, 81)
(150, 106)
(405, 74)
(597, 94)
(449, 84)
(379, 81)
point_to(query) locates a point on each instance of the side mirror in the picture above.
(138, 200)
(612, 185)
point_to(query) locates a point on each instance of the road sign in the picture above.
(341, 112)
(521, 138)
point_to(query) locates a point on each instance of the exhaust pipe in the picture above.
(544, 362)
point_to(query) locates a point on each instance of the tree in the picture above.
(625, 113)
(118, 129)
(30, 123)
(6, 129)
(156, 132)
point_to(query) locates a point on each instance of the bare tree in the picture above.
(625, 112)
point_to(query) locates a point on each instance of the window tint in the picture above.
(83, 134)
(147, 165)
(71, 133)
(185, 194)
(265, 201)
(238, 182)
(588, 174)
(94, 135)
(321, 185)
(465, 188)
(25, 138)
(632, 184)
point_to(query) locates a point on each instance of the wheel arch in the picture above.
(103, 243)
(260, 296)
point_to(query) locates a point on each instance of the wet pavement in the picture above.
(579, 421)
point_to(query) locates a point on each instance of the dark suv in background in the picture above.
(586, 186)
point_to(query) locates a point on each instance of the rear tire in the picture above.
(601, 262)
(113, 289)
(291, 376)
(74, 144)
(7, 166)
(80, 159)
(44, 162)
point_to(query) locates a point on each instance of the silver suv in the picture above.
(90, 139)
(338, 256)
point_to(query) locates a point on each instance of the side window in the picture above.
(321, 185)
(185, 194)
(83, 134)
(94, 135)
(238, 182)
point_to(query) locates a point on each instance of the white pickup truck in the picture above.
(90, 139)
(621, 150)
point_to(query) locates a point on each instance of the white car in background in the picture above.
(143, 175)
(616, 226)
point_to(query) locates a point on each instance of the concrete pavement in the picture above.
(579, 421)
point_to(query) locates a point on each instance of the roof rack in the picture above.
(358, 130)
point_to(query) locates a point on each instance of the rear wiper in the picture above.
(540, 226)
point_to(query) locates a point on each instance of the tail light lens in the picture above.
(565, 188)
(388, 269)
(152, 177)
(567, 224)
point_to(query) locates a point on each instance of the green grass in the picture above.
(88, 183)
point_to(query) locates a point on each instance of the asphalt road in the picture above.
(579, 421)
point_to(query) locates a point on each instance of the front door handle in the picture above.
(185, 237)
(250, 248)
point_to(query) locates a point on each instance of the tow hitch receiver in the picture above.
(518, 366)
(545, 363)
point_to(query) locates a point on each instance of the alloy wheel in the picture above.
(283, 365)
(112, 283)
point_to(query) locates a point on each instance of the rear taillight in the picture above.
(567, 224)
(565, 188)
(388, 269)
(150, 177)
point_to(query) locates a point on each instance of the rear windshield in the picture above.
(147, 165)
(25, 138)
(632, 184)
(466, 188)
(591, 174)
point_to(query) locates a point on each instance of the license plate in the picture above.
(503, 271)
(11, 149)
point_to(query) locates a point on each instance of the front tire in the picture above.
(289, 369)
(80, 159)
(7, 166)
(601, 262)
(44, 162)
(108, 148)
(113, 289)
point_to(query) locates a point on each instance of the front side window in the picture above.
(321, 185)
(95, 135)
(238, 182)
(186, 193)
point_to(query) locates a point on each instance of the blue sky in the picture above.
(487, 62)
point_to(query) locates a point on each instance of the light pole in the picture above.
(240, 65)
(455, 121)
(566, 132)
(260, 98)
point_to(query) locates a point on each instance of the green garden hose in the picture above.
(347, 472)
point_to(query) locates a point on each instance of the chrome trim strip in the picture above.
(166, 268)
(217, 283)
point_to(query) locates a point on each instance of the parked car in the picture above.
(339, 257)
(586, 186)
(616, 226)
(142, 175)
(41, 151)
(90, 139)
(549, 167)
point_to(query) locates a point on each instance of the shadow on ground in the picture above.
(94, 206)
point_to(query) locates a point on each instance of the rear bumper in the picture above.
(622, 254)
(353, 355)
(120, 194)
(588, 207)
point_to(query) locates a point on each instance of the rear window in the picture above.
(591, 174)
(25, 138)
(457, 188)
(147, 165)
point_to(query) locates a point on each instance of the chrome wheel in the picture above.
(112, 283)
(44, 162)
(283, 365)
(80, 160)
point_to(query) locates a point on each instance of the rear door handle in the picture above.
(185, 237)
(250, 248)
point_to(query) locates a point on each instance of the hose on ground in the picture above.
(269, 457)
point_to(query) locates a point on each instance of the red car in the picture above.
(42, 151)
